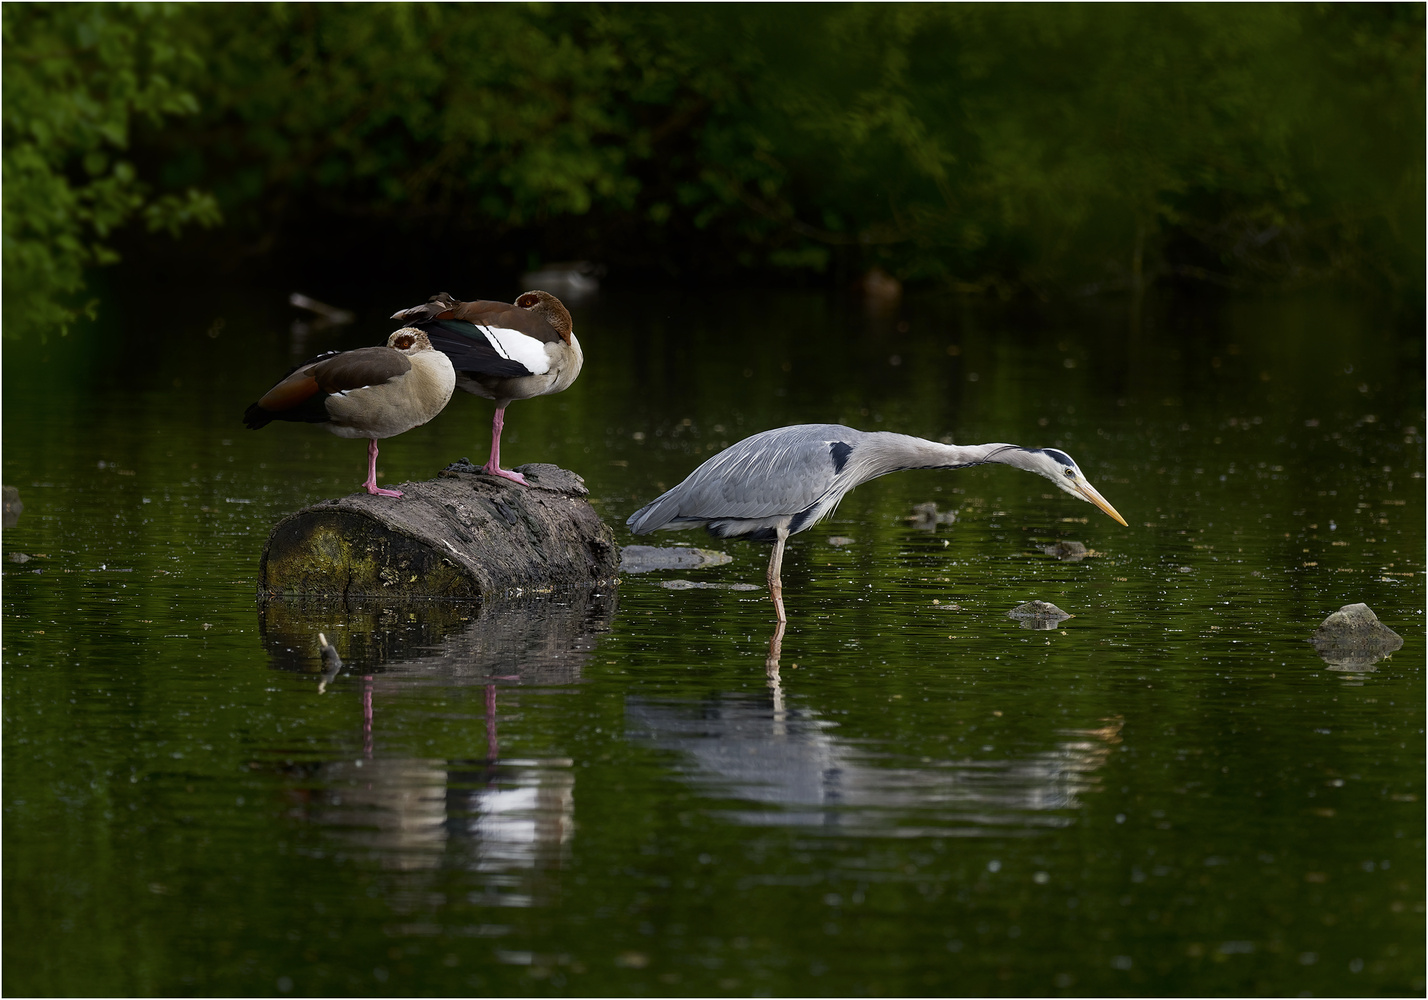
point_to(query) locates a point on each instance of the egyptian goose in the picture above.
(501, 351)
(372, 392)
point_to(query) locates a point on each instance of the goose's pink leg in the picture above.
(371, 483)
(493, 746)
(493, 467)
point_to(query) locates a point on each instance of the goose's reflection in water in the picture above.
(790, 765)
(481, 811)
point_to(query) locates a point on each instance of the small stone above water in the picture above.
(1038, 615)
(1356, 621)
(1353, 638)
(1068, 550)
(331, 662)
(14, 506)
(1038, 609)
(647, 558)
(926, 516)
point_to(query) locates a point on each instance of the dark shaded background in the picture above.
(1011, 150)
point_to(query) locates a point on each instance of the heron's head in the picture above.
(1062, 470)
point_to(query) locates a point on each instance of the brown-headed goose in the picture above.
(502, 351)
(372, 392)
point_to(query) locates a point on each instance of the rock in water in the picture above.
(1353, 638)
(1071, 551)
(648, 558)
(462, 535)
(1358, 622)
(926, 517)
(1038, 609)
(1040, 615)
(14, 507)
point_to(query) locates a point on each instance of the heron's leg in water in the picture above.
(771, 667)
(775, 567)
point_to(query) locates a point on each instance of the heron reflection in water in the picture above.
(783, 481)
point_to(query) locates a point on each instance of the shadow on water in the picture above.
(492, 814)
(544, 640)
(770, 751)
(786, 764)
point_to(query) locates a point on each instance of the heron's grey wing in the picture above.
(775, 477)
(777, 473)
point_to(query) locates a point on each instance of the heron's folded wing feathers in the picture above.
(752, 480)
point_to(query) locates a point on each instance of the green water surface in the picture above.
(617, 791)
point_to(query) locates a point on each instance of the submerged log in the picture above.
(463, 535)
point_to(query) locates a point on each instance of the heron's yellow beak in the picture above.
(1088, 493)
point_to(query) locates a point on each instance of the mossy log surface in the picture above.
(463, 535)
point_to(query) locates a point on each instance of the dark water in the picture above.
(615, 792)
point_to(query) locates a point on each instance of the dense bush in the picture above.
(1056, 148)
(75, 78)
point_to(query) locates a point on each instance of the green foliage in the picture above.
(75, 76)
(1059, 148)
(1069, 146)
(427, 112)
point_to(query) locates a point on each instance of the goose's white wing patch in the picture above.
(516, 346)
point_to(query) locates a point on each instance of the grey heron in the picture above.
(502, 351)
(783, 481)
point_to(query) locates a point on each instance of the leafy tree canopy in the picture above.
(1057, 148)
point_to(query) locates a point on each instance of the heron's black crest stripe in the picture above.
(1058, 456)
(840, 450)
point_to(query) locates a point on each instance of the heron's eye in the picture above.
(1070, 473)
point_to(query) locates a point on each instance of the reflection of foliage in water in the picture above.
(986, 147)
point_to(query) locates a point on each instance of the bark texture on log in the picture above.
(463, 535)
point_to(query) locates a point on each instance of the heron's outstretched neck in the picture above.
(894, 452)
